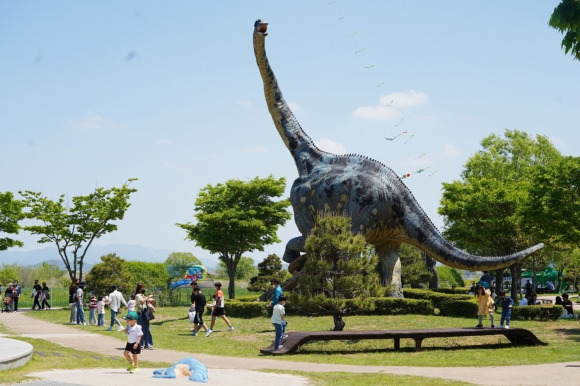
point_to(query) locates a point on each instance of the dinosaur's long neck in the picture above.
(303, 150)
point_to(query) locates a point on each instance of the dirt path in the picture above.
(545, 374)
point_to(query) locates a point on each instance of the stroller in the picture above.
(7, 300)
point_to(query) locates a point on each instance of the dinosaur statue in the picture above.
(381, 207)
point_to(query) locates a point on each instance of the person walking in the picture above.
(278, 316)
(219, 309)
(198, 302)
(36, 293)
(45, 296)
(144, 302)
(16, 291)
(484, 305)
(506, 309)
(79, 304)
(278, 292)
(101, 300)
(72, 293)
(132, 348)
(115, 300)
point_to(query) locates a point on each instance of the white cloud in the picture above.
(387, 110)
(404, 99)
(294, 106)
(377, 112)
(92, 122)
(330, 146)
(450, 151)
(255, 149)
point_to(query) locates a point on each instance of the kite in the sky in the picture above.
(407, 175)
(371, 66)
(380, 84)
(433, 173)
(193, 274)
(352, 34)
(421, 156)
(393, 138)
(359, 51)
(402, 119)
(410, 138)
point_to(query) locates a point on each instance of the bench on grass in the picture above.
(292, 343)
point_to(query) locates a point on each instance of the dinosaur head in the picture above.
(261, 27)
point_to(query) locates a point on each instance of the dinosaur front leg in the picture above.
(293, 249)
(390, 268)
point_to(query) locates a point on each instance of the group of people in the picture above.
(198, 304)
(486, 306)
(11, 296)
(140, 304)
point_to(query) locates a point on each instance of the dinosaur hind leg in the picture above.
(293, 249)
(390, 268)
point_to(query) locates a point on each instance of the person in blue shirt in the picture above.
(506, 309)
(278, 292)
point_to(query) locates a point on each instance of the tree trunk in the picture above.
(232, 284)
(338, 323)
(498, 280)
(514, 270)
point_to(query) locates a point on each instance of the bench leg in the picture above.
(397, 343)
(418, 342)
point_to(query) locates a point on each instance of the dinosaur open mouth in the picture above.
(263, 28)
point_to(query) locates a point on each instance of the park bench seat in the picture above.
(292, 343)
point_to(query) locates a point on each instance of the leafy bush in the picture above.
(449, 277)
(452, 291)
(245, 309)
(536, 312)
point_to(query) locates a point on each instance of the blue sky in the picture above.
(95, 93)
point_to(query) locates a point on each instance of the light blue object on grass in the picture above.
(199, 371)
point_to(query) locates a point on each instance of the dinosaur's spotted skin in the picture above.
(382, 208)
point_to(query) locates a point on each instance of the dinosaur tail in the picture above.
(423, 234)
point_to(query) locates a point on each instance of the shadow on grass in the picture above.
(573, 334)
(407, 349)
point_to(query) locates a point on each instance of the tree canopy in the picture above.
(245, 269)
(73, 229)
(10, 214)
(268, 269)
(338, 266)
(566, 19)
(236, 217)
(112, 270)
(483, 211)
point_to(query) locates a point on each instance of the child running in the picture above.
(134, 334)
(218, 309)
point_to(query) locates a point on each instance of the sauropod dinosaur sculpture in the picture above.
(380, 205)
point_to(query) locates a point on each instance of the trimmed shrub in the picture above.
(536, 312)
(452, 291)
(458, 308)
(398, 306)
(245, 309)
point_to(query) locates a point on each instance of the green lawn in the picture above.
(171, 331)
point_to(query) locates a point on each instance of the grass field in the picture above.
(171, 327)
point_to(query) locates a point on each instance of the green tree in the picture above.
(245, 270)
(112, 270)
(566, 19)
(552, 211)
(73, 229)
(413, 268)
(10, 214)
(338, 267)
(482, 211)
(449, 277)
(50, 273)
(177, 264)
(238, 217)
(9, 273)
(270, 268)
(153, 275)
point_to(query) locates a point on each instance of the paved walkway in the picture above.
(230, 370)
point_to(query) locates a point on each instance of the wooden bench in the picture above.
(292, 343)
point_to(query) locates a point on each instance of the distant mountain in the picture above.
(50, 255)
